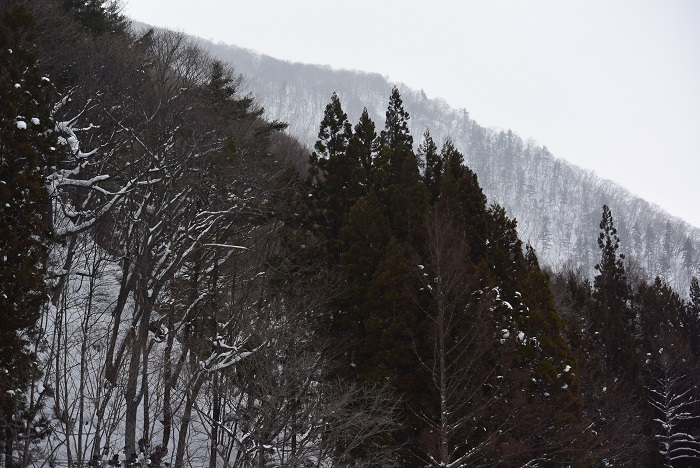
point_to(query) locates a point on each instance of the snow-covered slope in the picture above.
(557, 204)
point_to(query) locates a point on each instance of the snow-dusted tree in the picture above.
(614, 429)
(691, 318)
(613, 426)
(27, 150)
(671, 375)
(148, 178)
(198, 187)
(461, 356)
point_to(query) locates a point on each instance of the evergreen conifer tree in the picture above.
(432, 166)
(669, 372)
(400, 184)
(695, 295)
(395, 143)
(366, 238)
(334, 132)
(98, 16)
(26, 145)
(459, 188)
(362, 151)
(505, 249)
(691, 319)
(331, 171)
(223, 87)
(658, 306)
(396, 138)
(611, 293)
(671, 383)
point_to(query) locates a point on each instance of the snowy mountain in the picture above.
(557, 204)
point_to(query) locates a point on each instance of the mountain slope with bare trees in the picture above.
(556, 203)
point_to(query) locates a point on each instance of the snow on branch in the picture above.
(224, 355)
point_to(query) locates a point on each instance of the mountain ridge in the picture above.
(556, 202)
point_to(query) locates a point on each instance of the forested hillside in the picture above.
(184, 284)
(556, 203)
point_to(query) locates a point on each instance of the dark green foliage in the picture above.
(613, 325)
(401, 187)
(98, 16)
(611, 286)
(396, 139)
(366, 238)
(610, 405)
(658, 308)
(221, 83)
(26, 148)
(695, 294)
(362, 150)
(544, 321)
(504, 247)
(371, 204)
(432, 165)
(667, 348)
(459, 189)
(395, 145)
(334, 133)
(223, 89)
(611, 293)
(691, 321)
(394, 318)
(636, 365)
(575, 380)
(333, 172)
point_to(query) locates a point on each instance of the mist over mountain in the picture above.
(556, 203)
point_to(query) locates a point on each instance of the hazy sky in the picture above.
(612, 86)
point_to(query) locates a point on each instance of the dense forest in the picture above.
(185, 284)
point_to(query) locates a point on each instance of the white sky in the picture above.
(612, 86)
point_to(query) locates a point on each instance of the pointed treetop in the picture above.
(609, 242)
(396, 133)
(221, 82)
(334, 132)
(428, 152)
(363, 147)
(432, 165)
(365, 128)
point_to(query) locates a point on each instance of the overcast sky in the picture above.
(612, 86)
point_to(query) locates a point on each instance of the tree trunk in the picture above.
(216, 419)
(186, 418)
(126, 286)
(139, 351)
(168, 384)
(145, 394)
(8, 449)
(130, 397)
